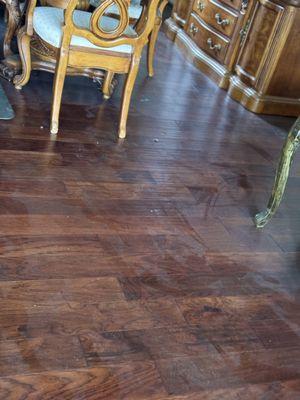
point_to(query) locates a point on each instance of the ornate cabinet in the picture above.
(249, 47)
(210, 36)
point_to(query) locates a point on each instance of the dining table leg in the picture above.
(14, 16)
(287, 154)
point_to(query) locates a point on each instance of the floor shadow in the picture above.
(278, 121)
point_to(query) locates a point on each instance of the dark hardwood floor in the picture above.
(132, 270)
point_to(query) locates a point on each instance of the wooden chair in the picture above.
(84, 39)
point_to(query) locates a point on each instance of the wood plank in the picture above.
(132, 270)
(72, 318)
(27, 356)
(127, 381)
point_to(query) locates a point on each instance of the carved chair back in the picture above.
(100, 37)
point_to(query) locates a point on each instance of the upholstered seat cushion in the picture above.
(48, 22)
(134, 9)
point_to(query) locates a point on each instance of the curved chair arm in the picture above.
(29, 17)
(140, 25)
(162, 7)
(30, 10)
(148, 17)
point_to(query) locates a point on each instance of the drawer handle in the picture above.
(244, 31)
(212, 46)
(200, 6)
(244, 6)
(193, 29)
(220, 21)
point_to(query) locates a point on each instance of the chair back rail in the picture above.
(96, 34)
(117, 37)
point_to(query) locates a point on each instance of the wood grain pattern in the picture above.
(133, 270)
(130, 381)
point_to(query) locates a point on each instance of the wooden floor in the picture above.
(132, 270)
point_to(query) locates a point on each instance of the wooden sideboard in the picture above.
(249, 47)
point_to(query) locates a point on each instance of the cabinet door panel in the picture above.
(256, 48)
(286, 78)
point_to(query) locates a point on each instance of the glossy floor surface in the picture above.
(132, 270)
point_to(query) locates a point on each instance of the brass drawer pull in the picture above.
(193, 29)
(200, 6)
(212, 46)
(244, 6)
(220, 21)
(244, 31)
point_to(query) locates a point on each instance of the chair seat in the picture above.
(134, 10)
(48, 23)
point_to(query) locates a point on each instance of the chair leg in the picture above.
(58, 85)
(106, 88)
(151, 48)
(287, 154)
(127, 91)
(24, 50)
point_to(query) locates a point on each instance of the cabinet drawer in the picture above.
(216, 15)
(208, 40)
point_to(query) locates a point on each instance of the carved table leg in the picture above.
(14, 18)
(7, 72)
(287, 153)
